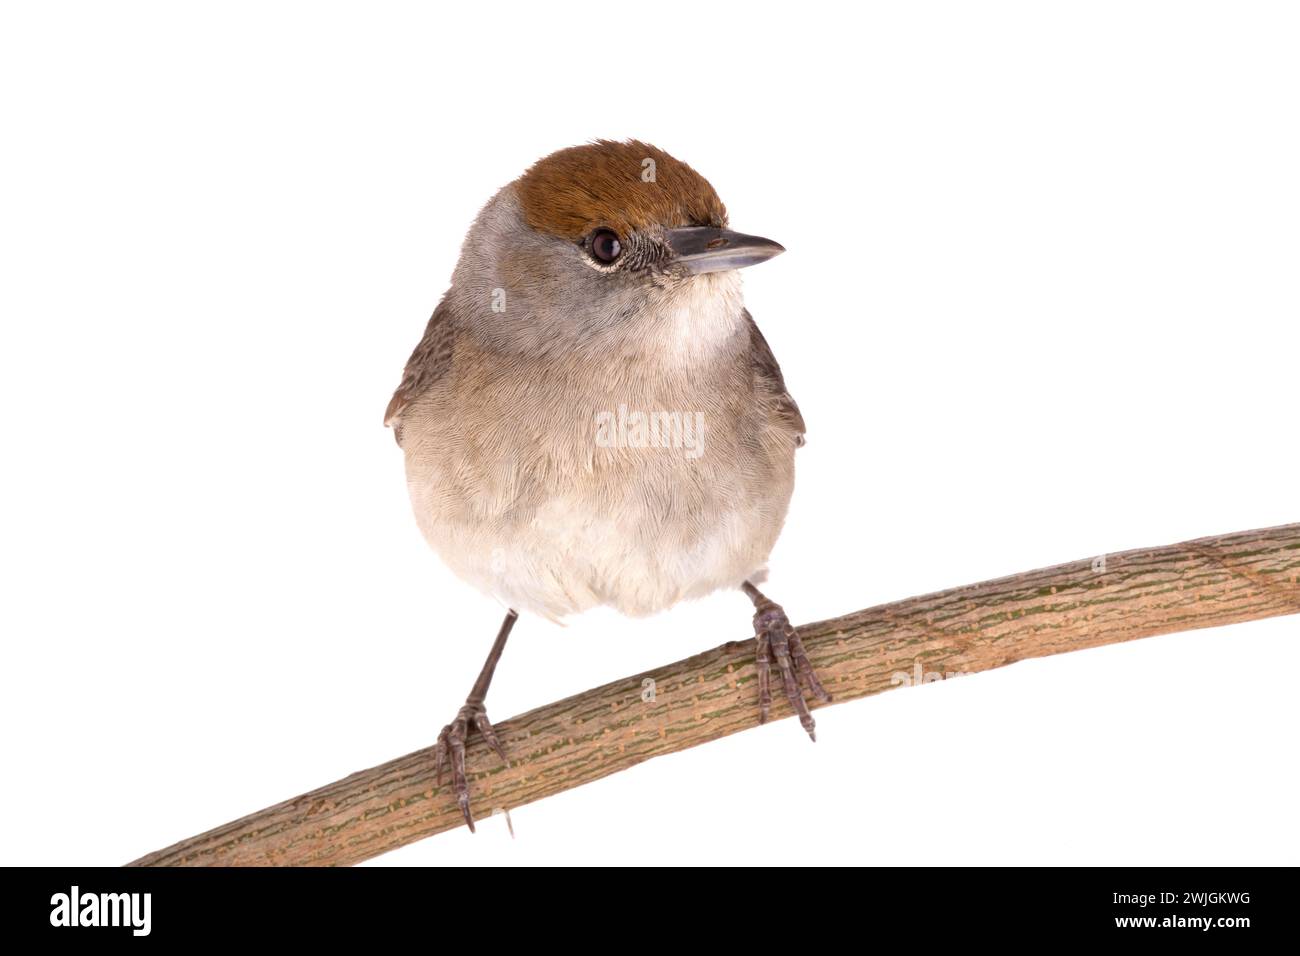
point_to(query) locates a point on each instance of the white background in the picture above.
(1040, 303)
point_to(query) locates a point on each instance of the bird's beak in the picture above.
(705, 249)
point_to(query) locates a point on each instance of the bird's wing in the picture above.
(768, 378)
(426, 365)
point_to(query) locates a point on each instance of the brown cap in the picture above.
(571, 192)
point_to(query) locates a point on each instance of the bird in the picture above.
(593, 418)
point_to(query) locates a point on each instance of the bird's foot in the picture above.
(451, 749)
(779, 644)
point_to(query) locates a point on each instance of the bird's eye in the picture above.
(605, 245)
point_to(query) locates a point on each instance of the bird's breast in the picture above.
(560, 487)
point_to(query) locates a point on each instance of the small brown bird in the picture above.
(592, 416)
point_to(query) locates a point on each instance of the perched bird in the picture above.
(592, 416)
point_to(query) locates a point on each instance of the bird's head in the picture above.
(601, 244)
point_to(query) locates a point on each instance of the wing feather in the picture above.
(428, 363)
(768, 378)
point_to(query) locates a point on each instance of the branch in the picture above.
(1104, 600)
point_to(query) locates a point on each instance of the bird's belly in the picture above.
(637, 534)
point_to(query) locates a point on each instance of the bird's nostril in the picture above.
(716, 243)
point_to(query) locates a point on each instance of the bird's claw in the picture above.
(779, 644)
(451, 750)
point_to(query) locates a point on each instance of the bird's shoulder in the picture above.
(768, 378)
(428, 363)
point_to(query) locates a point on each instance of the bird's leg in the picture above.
(473, 716)
(779, 644)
